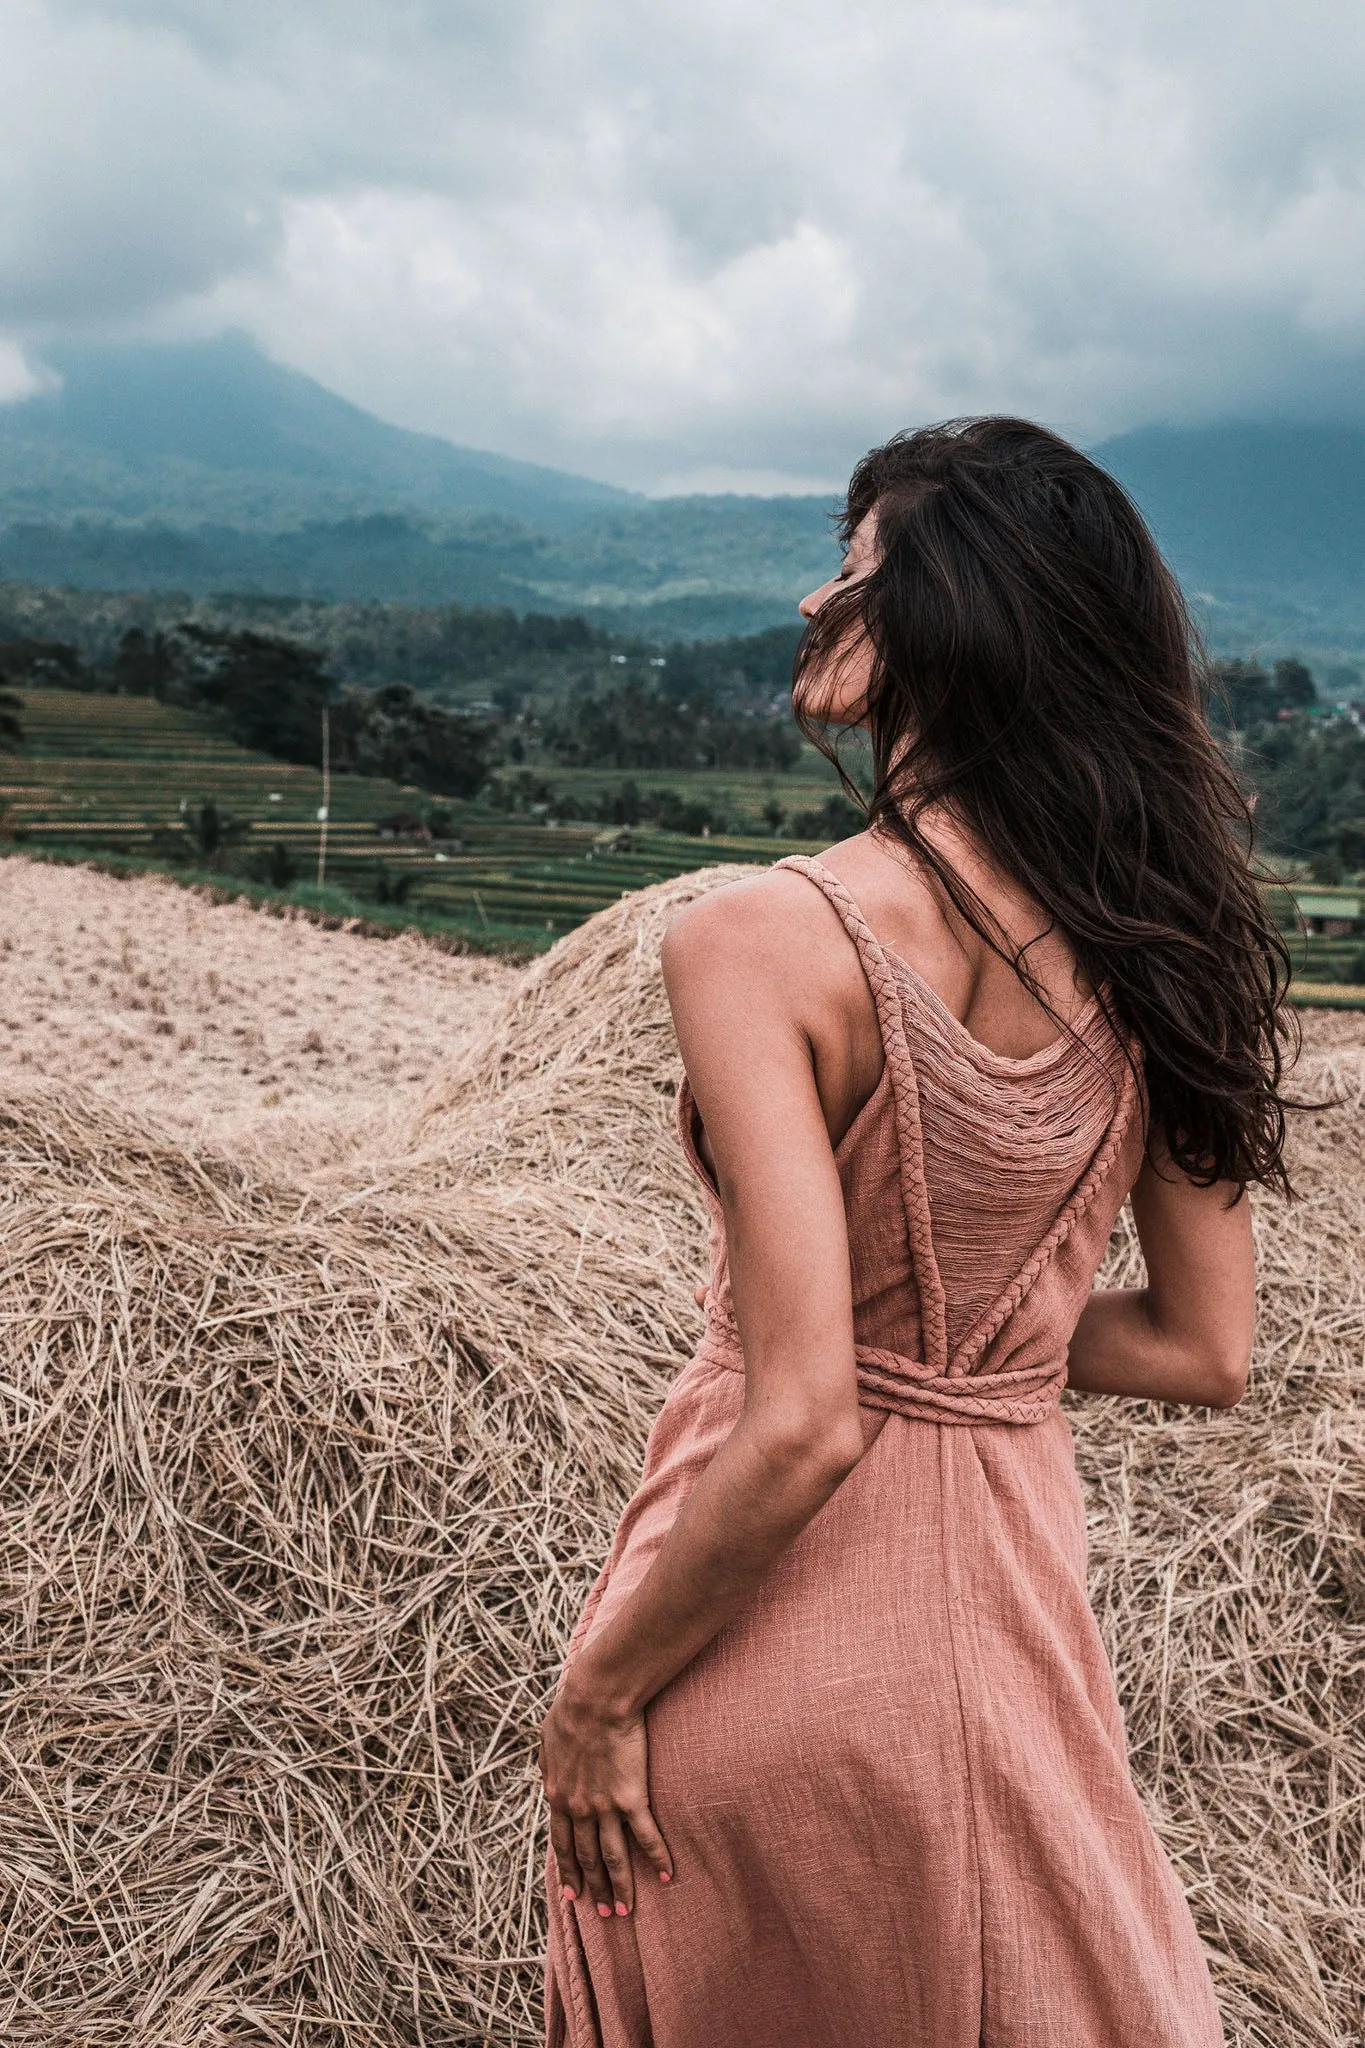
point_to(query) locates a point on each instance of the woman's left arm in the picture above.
(738, 997)
(1185, 1336)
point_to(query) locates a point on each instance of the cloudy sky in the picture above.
(700, 243)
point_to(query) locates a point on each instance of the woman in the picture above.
(836, 1757)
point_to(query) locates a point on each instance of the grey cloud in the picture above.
(727, 234)
(129, 173)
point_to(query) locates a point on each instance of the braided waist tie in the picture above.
(908, 1387)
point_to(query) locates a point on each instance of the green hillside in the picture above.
(1245, 508)
(204, 467)
(685, 568)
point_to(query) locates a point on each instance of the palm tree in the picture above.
(396, 889)
(11, 732)
(212, 831)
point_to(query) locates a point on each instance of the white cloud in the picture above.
(18, 377)
(736, 238)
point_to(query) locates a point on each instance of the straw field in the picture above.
(222, 1022)
(313, 1449)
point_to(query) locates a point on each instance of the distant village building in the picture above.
(401, 825)
(1329, 915)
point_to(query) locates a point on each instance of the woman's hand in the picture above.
(595, 1769)
(743, 999)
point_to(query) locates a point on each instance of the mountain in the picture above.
(1272, 514)
(684, 569)
(204, 467)
(215, 431)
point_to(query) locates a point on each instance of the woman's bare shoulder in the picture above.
(751, 926)
(893, 892)
(763, 972)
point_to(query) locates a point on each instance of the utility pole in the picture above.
(326, 798)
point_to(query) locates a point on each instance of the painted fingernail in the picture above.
(569, 1892)
(622, 1910)
(605, 1912)
(665, 1877)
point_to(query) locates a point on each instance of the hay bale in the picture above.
(1228, 1573)
(308, 1474)
(232, 1026)
(576, 1079)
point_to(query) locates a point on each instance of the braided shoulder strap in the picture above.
(882, 981)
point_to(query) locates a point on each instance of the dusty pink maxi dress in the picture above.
(895, 1788)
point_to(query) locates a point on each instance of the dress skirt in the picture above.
(895, 1789)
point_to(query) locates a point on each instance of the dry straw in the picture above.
(306, 1477)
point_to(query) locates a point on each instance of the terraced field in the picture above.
(104, 774)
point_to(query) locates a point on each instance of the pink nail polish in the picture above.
(665, 1877)
(569, 1892)
(622, 1910)
(605, 1912)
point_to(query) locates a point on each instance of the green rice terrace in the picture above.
(123, 779)
(118, 776)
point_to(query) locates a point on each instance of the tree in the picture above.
(674, 813)
(836, 818)
(270, 691)
(640, 727)
(1245, 695)
(1309, 776)
(1350, 842)
(1294, 686)
(390, 888)
(1241, 694)
(275, 865)
(394, 732)
(212, 830)
(11, 732)
(42, 665)
(205, 835)
(751, 665)
(144, 665)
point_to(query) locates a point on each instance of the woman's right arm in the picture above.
(1185, 1336)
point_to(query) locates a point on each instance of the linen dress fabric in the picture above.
(895, 1788)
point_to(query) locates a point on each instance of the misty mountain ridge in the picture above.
(214, 431)
(204, 467)
(1240, 506)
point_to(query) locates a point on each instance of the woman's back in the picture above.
(979, 1185)
(908, 911)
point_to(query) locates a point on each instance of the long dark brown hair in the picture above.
(1036, 676)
